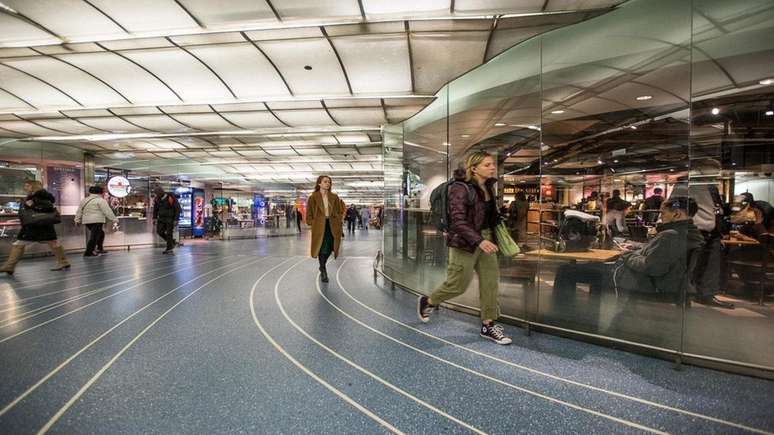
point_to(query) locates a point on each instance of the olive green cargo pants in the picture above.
(459, 273)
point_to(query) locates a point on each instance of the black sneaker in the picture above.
(424, 309)
(169, 251)
(715, 302)
(495, 333)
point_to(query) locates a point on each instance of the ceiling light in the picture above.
(599, 162)
(557, 112)
(644, 97)
(671, 169)
(770, 113)
(465, 135)
(766, 81)
(615, 161)
(715, 110)
(499, 124)
(533, 127)
(633, 127)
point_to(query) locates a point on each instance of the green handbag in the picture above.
(505, 242)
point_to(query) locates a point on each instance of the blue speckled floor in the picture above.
(239, 337)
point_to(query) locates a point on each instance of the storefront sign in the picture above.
(119, 187)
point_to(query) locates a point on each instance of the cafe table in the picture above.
(592, 255)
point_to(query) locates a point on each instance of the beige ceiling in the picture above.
(257, 91)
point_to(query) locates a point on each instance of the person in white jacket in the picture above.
(93, 212)
(365, 215)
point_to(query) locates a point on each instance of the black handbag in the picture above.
(33, 218)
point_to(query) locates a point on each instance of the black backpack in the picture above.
(439, 203)
(576, 233)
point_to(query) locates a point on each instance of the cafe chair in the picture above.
(763, 265)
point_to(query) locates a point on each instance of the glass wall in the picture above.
(653, 124)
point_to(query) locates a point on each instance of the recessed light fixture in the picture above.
(499, 124)
(671, 169)
(615, 161)
(715, 110)
(733, 163)
(644, 97)
(599, 162)
(557, 112)
(770, 113)
(465, 135)
(633, 127)
(766, 81)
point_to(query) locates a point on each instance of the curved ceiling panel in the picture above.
(442, 56)
(315, 10)
(244, 68)
(68, 126)
(262, 119)
(158, 123)
(376, 63)
(359, 117)
(27, 128)
(10, 103)
(488, 7)
(32, 91)
(291, 57)
(212, 13)
(392, 9)
(87, 90)
(113, 124)
(204, 121)
(182, 72)
(68, 18)
(127, 78)
(14, 31)
(147, 15)
(299, 118)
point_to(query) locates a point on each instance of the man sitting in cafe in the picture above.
(659, 267)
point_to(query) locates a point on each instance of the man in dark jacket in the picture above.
(653, 202)
(659, 267)
(166, 212)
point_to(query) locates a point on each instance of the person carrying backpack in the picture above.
(470, 236)
(166, 212)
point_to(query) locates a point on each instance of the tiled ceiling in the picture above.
(246, 81)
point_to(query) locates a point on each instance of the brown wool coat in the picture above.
(315, 218)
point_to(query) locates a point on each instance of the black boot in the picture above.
(323, 273)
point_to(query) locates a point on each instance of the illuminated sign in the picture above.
(119, 187)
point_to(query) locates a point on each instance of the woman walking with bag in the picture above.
(37, 214)
(325, 214)
(472, 244)
(93, 212)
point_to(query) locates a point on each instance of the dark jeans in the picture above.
(706, 276)
(96, 237)
(351, 226)
(165, 230)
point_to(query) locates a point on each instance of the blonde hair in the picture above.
(36, 185)
(474, 159)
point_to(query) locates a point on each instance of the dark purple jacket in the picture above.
(467, 220)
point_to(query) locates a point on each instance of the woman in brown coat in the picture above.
(325, 214)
